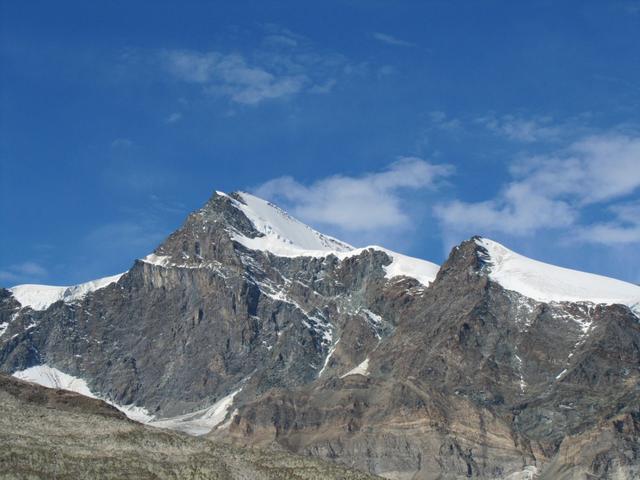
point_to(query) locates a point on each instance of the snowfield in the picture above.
(195, 423)
(202, 421)
(41, 297)
(362, 369)
(53, 378)
(548, 283)
(284, 235)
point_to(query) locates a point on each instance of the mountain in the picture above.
(249, 326)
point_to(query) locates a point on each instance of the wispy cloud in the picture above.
(373, 202)
(121, 143)
(173, 118)
(516, 128)
(325, 88)
(29, 271)
(124, 235)
(632, 7)
(391, 40)
(280, 39)
(622, 229)
(283, 65)
(554, 190)
(231, 75)
(520, 128)
(442, 121)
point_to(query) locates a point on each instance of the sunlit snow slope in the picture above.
(286, 236)
(40, 297)
(549, 283)
(194, 423)
(53, 378)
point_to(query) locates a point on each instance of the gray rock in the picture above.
(465, 378)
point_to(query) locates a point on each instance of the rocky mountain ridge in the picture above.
(254, 328)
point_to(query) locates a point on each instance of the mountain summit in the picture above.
(248, 325)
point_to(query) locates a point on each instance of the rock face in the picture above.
(274, 334)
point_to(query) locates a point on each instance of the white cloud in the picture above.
(591, 170)
(623, 229)
(367, 203)
(192, 66)
(121, 143)
(282, 65)
(521, 129)
(118, 235)
(232, 76)
(552, 191)
(279, 35)
(609, 234)
(632, 7)
(518, 211)
(391, 40)
(442, 121)
(386, 71)
(610, 166)
(173, 118)
(324, 88)
(628, 212)
(280, 39)
(27, 271)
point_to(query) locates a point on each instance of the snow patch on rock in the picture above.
(362, 369)
(332, 349)
(41, 297)
(53, 378)
(202, 421)
(402, 265)
(160, 260)
(522, 383)
(530, 472)
(199, 422)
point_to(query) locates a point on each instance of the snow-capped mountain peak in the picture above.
(284, 235)
(549, 283)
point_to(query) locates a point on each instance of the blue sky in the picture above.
(408, 124)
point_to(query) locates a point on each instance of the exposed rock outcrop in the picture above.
(359, 356)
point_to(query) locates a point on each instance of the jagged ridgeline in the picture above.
(249, 326)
